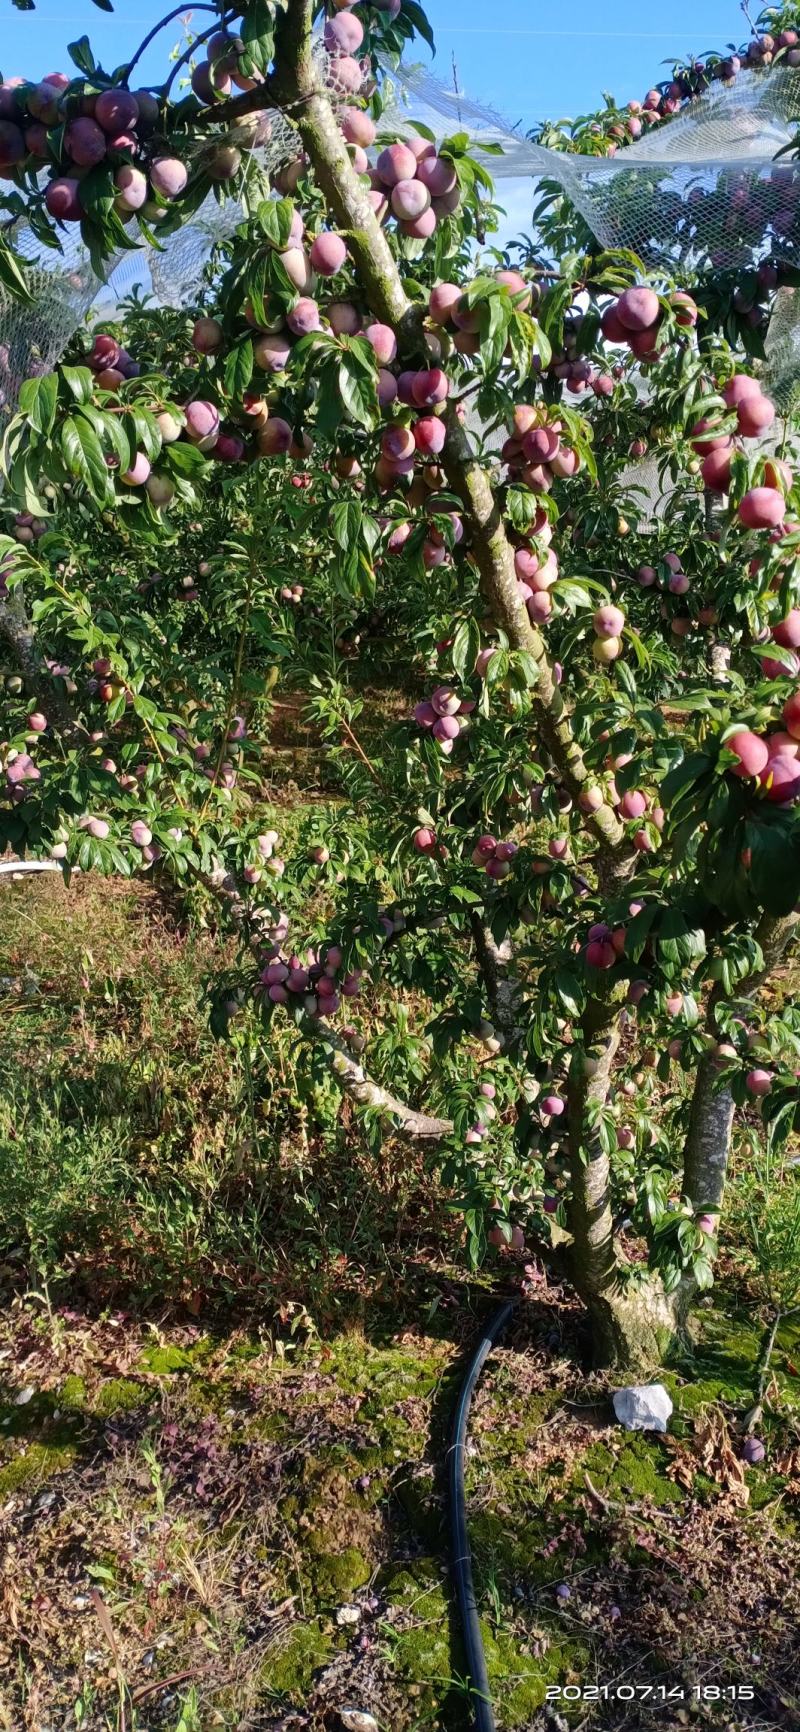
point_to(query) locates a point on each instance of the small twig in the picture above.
(160, 1684)
(178, 13)
(602, 1501)
(360, 750)
(767, 1345)
(197, 42)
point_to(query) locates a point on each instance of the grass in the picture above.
(229, 1347)
(140, 1157)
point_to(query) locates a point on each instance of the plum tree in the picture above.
(585, 825)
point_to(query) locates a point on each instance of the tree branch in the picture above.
(179, 12)
(503, 995)
(350, 1075)
(294, 85)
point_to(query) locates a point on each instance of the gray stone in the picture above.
(643, 1407)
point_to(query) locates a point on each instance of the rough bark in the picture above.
(708, 1141)
(633, 1320)
(503, 994)
(591, 1220)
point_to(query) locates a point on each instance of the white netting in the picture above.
(782, 348)
(701, 189)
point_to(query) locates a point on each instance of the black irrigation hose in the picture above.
(461, 1558)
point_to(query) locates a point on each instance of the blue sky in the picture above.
(513, 54)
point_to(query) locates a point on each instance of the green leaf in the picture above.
(690, 769)
(570, 991)
(346, 524)
(416, 16)
(111, 431)
(521, 506)
(185, 458)
(148, 437)
(775, 867)
(98, 192)
(258, 34)
(239, 366)
(12, 275)
(466, 647)
(80, 381)
(275, 218)
(37, 400)
(495, 315)
(329, 402)
(24, 481)
(81, 54)
(84, 458)
(358, 389)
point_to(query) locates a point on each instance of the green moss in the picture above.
(337, 1575)
(520, 1683)
(421, 1650)
(425, 1515)
(37, 1464)
(636, 1470)
(72, 1395)
(690, 1398)
(165, 1361)
(385, 1374)
(425, 1659)
(290, 1670)
(119, 1395)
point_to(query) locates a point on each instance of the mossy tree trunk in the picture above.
(708, 1143)
(633, 1319)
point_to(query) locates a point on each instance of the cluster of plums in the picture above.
(25, 528)
(692, 80)
(317, 984)
(414, 185)
(409, 182)
(771, 760)
(608, 624)
(494, 857)
(536, 451)
(199, 423)
(636, 316)
(714, 438)
(60, 125)
(449, 309)
(421, 496)
(440, 713)
(677, 583)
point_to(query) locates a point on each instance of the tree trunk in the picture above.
(633, 1321)
(295, 88)
(634, 1326)
(708, 1142)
